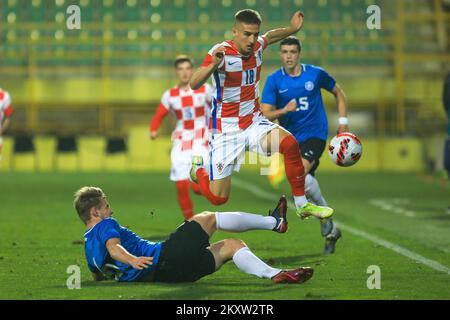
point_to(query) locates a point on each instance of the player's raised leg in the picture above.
(217, 191)
(242, 221)
(282, 141)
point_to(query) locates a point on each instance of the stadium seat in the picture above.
(45, 152)
(7, 154)
(402, 155)
(67, 157)
(146, 154)
(91, 153)
(24, 158)
(139, 148)
(116, 158)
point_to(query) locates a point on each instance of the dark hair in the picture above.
(291, 41)
(85, 199)
(183, 58)
(248, 16)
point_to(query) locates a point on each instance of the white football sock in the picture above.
(312, 189)
(300, 201)
(247, 262)
(241, 221)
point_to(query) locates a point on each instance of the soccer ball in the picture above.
(345, 149)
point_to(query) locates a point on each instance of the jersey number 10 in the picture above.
(249, 76)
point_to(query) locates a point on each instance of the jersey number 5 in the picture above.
(302, 104)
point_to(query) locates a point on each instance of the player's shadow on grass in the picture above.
(306, 259)
(208, 290)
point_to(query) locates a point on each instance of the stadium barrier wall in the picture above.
(395, 154)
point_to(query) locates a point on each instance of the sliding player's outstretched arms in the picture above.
(203, 73)
(276, 35)
(119, 253)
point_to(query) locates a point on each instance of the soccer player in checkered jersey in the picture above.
(236, 122)
(191, 108)
(5, 115)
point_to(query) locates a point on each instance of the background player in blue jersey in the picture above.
(114, 251)
(292, 95)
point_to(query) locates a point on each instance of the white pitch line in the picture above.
(375, 239)
(393, 205)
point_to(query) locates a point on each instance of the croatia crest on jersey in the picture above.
(220, 167)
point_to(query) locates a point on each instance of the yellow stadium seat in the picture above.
(402, 155)
(67, 161)
(116, 162)
(45, 153)
(24, 161)
(91, 152)
(146, 154)
(24, 157)
(67, 157)
(7, 150)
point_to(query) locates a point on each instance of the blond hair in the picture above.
(85, 199)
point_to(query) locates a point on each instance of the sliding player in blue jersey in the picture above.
(113, 251)
(292, 95)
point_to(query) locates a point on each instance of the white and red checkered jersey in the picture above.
(5, 105)
(236, 87)
(191, 109)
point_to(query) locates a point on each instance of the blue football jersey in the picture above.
(310, 119)
(98, 256)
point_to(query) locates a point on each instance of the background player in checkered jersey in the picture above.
(5, 115)
(191, 108)
(292, 95)
(236, 122)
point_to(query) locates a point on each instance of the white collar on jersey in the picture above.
(284, 72)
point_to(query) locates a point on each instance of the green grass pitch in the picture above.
(40, 237)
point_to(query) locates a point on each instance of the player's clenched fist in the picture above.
(297, 20)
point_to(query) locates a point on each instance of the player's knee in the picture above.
(289, 145)
(206, 217)
(210, 217)
(217, 201)
(233, 245)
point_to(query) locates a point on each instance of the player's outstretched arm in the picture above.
(160, 114)
(276, 35)
(341, 103)
(5, 125)
(203, 73)
(119, 253)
